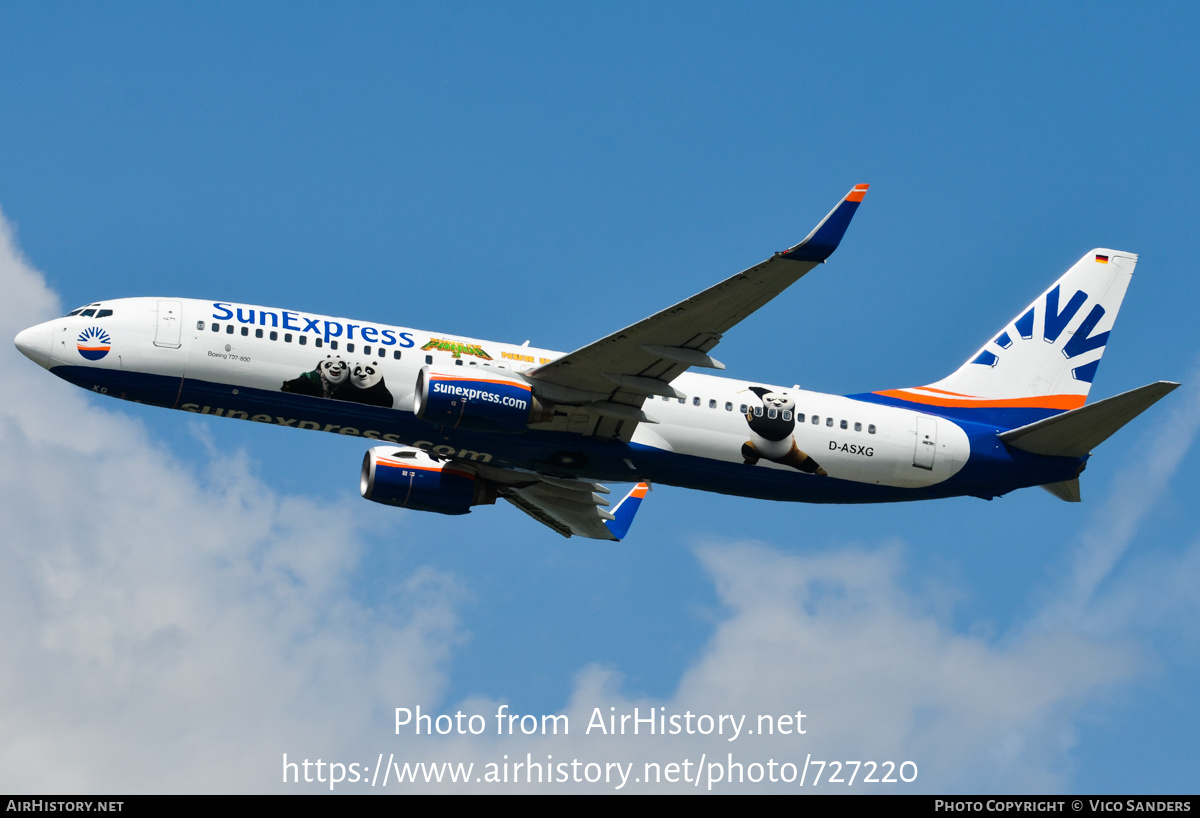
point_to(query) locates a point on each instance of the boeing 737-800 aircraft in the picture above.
(459, 422)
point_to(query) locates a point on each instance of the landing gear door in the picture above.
(926, 442)
(169, 324)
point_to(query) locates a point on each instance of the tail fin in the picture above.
(1044, 360)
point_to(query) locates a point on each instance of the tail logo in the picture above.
(1054, 323)
(93, 343)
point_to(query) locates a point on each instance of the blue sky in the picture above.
(194, 599)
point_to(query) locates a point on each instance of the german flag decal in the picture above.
(1101, 259)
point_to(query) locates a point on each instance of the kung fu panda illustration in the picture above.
(772, 434)
(325, 381)
(367, 386)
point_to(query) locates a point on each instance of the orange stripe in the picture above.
(857, 194)
(391, 464)
(481, 380)
(1044, 402)
(394, 464)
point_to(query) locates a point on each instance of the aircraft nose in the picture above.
(34, 344)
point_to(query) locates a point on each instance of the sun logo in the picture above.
(93, 343)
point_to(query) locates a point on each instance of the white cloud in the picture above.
(1135, 492)
(882, 672)
(176, 626)
(879, 676)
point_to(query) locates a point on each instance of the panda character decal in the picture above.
(367, 386)
(329, 376)
(771, 429)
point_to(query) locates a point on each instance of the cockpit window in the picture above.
(78, 310)
(103, 313)
(88, 313)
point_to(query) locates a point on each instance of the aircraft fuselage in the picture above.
(262, 365)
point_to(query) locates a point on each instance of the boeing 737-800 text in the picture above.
(459, 422)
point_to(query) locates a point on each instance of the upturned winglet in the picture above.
(623, 513)
(826, 236)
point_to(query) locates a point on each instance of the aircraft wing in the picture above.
(573, 507)
(611, 378)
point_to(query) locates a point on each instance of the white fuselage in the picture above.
(235, 360)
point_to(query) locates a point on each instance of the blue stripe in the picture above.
(624, 515)
(828, 235)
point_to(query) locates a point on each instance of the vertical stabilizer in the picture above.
(1044, 360)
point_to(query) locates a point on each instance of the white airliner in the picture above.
(459, 422)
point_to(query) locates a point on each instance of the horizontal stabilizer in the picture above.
(1077, 432)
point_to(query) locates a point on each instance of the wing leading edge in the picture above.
(610, 379)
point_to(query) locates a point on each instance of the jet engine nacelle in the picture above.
(416, 479)
(483, 399)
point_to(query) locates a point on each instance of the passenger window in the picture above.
(274, 335)
(396, 355)
(333, 344)
(318, 343)
(216, 327)
(799, 417)
(787, 414)
(350, 347)
(728, 406)
(258, 333)
(367, 351)
(758, 411)
(458, 362)
(695, 401)
(845, 425)
(229, 329)
(428, 359)
(245, 331)
(772, 413)
(473, 363)
(712, 404)
(871, 429)
(857, 426)
(199, 325)
(681, 400)
(816, 420)
(287, 337)
(302, 338)
(828, 421)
